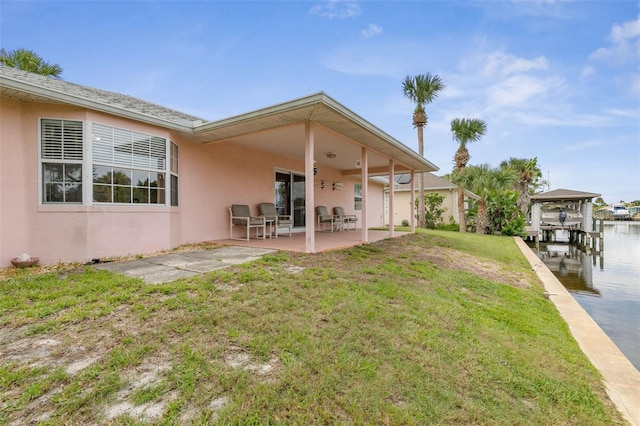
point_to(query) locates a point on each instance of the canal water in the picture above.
(606, 284)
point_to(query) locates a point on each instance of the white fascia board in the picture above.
(263, 112)
(376, 131)
(318, 98)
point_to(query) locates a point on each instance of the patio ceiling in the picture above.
(281, 129)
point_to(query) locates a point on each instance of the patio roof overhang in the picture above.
(338, 130)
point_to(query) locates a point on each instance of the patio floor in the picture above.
(325, 241)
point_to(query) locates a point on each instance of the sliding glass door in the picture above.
(290, 196)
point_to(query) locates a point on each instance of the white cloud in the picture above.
(628, 83)
(372, 30)
(513, 83)
(336, 9)
(635, 84)
(390, 59)
(625, 113)
(628, 30)
(582, 146)
(588, 71)
(502, 64)
(624, 46)
(516, 90)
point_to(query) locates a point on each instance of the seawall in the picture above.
(621, 378)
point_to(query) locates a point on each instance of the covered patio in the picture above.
(324, 241)
(333, 144)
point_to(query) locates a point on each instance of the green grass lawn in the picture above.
(432, 328)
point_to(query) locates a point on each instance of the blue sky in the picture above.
(556, 80)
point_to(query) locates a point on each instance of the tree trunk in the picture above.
(523, 198)
(461, 158)
(421, 223)
(481, 221)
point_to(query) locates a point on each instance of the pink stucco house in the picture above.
(86, 173)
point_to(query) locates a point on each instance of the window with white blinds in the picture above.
(62, 140)
(121, 147)
(61, 159)
(125, 167)
(128, 167)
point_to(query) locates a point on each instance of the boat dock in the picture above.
(589, 240)
(566, 216)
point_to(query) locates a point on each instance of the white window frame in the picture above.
(173, 160)
(88, 163)
(130, 152)
(357, 198)
(42, 161)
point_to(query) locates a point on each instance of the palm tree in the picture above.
(421, 89)
(27, 60)
(483, 180)
(465, 130)
(529, 176)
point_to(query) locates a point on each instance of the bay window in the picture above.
(125, 167)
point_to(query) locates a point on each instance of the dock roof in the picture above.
(564, 195)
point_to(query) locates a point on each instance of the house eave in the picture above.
(320, 109)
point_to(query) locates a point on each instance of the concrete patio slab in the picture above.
(173, 266)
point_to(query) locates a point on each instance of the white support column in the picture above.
(364, 160)
(535, 216)
(587, 216)
(412, 199)
(392, 190)
(309, 181)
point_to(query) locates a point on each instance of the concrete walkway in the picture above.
(621, 378)
(170, 267)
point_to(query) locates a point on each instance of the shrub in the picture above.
(451, 226)
(432, 209)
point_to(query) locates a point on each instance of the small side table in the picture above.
(270, 224)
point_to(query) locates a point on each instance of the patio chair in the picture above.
(346, 218)
(240, 216)
(269, 212)
(324, 219)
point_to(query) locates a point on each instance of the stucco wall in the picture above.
(402, 206)
(211, 177)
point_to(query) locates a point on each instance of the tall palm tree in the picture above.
(421, 89)
(28, 60)
(483, 180)
(465, 130)
(529, 175)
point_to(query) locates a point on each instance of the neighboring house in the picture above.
(403, 209)
(86, 173)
